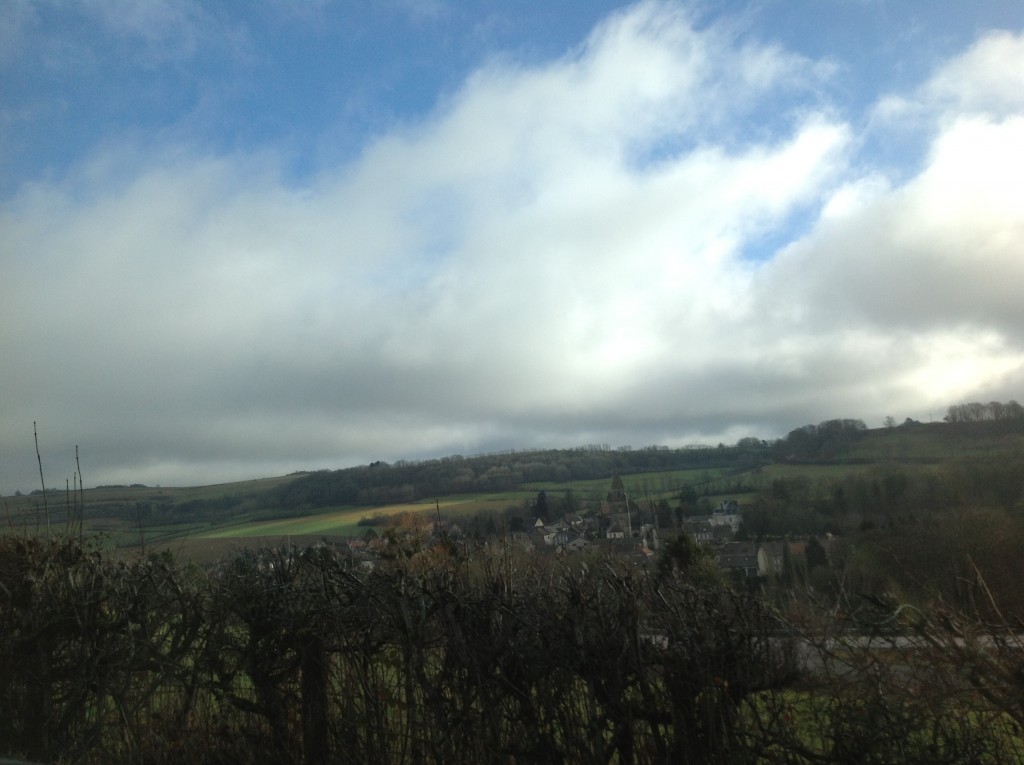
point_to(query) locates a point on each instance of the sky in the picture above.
(245, 238)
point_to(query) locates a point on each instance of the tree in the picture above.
(680, 555)
(663, 514)
(541, 505)
(815, 554)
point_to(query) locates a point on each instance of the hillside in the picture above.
(335, 501)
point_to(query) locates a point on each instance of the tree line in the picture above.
(406, 481)
(994, 411)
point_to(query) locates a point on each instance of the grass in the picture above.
(936, 443)
(637, 484)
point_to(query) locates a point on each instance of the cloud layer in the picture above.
(667, 235)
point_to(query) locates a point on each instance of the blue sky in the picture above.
(314, 81)
(241, 239)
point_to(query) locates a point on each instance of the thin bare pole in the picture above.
(81, 494)
(46, 507)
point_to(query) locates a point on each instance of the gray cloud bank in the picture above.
(615, 247)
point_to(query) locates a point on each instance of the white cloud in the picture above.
(559, 252)
(943, 249)
(987, 79)
(933, 264)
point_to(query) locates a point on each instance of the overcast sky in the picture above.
(245, 238)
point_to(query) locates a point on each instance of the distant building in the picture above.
(749, 559)
(726, 514)
(700, 532)
(741, 558)
(649, 537)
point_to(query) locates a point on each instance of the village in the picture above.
(620, 529)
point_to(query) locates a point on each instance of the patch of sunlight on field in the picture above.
(345, 522)
(331, 523)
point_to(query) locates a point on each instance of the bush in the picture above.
(295, 655)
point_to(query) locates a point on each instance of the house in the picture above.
(741, 558)
(546, 534)
(590, 528)
(649, 537)
(615, 531)
(721, 534)
(553, 534)
(562, 537)
(769, 558)
(700, 532)
(575, 543)
(751, 559)
(726, 514)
